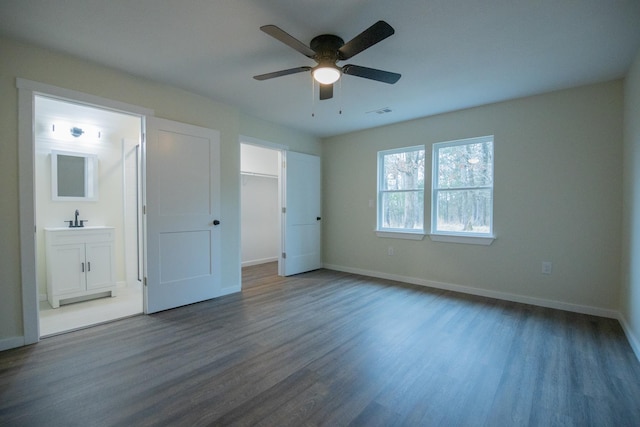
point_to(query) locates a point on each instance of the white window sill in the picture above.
(401, 235)
(469, 240)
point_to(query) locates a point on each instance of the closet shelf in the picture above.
(261, 175)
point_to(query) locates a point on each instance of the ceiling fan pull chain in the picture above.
(340, 96)
(313, 97)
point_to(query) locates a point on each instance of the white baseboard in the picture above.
(576, 308)
(258, 261)
(9, 343)
(633, 340)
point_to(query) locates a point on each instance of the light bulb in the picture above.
(326, 75)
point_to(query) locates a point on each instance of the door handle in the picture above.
(318, 218)
(216, 222)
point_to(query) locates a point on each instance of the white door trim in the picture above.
(27, 90)
(262, 143)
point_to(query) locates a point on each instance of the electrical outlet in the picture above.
(546, 267)
(390, 250)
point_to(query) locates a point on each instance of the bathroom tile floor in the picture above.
(70, 317)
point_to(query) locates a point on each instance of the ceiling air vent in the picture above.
(384, 110)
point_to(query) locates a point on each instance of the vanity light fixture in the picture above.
(76, 131)
(86, 131)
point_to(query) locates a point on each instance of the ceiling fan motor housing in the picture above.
(326, 48)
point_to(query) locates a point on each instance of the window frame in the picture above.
(413, 234)
(460, 236)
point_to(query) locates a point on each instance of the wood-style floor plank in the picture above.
(329, 348)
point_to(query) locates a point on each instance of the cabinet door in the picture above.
(67, 265)
(99, 265)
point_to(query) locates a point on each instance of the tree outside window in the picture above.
(401, 189)
(462, 196)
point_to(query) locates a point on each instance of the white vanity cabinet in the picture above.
(80, 262)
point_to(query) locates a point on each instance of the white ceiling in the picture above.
(452, 54)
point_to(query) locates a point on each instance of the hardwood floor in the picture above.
(329, 348)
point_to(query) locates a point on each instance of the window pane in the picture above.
(403, 171)
(464, 211)
(467, 165)
(403, 210)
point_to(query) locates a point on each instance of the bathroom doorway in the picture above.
(105, 195)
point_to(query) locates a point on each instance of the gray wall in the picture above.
(558, 198)
(630, 295)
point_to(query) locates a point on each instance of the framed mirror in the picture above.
(74, 176)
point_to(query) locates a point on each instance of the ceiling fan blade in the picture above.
(372, 35)
(371, 73)
(288, 39)
(281, 73)
(326, 91)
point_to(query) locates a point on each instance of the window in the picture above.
(462, 196)
(401, 190)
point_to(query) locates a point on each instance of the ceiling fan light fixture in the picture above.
(326, 75)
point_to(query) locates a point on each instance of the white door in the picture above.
(183, 221)
(302, 216)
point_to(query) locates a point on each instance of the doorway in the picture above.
(73, 131)
(159, 174)
(281, 207)
(261, 203)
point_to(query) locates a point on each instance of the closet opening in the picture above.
(261, 201)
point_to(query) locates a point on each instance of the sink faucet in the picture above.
(75, 223)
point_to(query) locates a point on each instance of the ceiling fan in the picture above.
(327, 50)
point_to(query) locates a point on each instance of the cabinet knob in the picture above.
(216, 222)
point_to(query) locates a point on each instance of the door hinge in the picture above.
(284, 255)
(284, 210)
(144, 281)
(144, 209)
